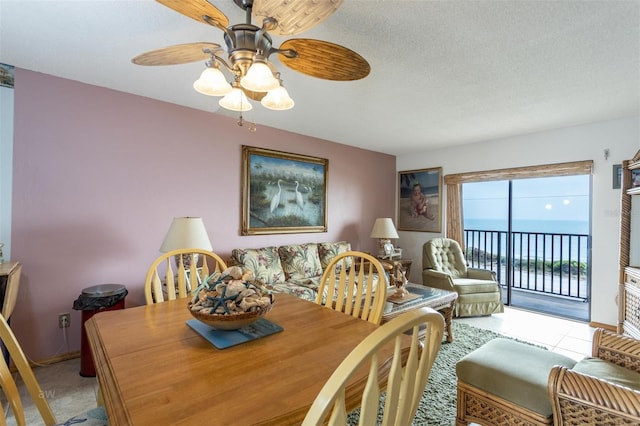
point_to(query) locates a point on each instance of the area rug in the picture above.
(438, 404)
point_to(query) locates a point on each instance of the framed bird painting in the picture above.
(283, 193)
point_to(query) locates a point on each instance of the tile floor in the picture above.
(570, 338)
(68, 393)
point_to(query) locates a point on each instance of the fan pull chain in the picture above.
(252, 125)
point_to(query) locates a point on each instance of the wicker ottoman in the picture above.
(505, 382)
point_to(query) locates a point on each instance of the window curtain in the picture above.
(454, 226)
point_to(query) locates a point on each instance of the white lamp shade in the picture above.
(259, 78)
(384, 228)
(278, 99)
(236, 100)
(212, 83)
(186, 232)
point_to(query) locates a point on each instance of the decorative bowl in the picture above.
(232, 321)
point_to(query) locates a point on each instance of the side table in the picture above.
(442, 301)
(393, 263)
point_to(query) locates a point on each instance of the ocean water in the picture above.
(568, 240)
(544, 226)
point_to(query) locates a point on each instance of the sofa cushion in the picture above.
(300, 261)
(263, 262)
(327, 251)
(301, 292)
(608, 371)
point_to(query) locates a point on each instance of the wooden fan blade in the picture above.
(178, 54)
(196, 9)
(325, 60)
(294, 16)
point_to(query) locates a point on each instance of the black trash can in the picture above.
(103, 297)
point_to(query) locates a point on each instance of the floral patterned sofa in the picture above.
(294, 269)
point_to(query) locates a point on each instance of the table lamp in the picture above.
(186, 232)
(384, 230)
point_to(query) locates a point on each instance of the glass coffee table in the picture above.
(442, 301)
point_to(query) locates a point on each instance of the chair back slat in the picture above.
(407, 379)
(371, 395)
(163, 282)
(11, 293)
(12, 395)
(354, 283)
(26, 373)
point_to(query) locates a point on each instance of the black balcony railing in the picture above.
(550, 263)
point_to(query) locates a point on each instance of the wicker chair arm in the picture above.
(437, 279)
(618, 349)
(577, 398)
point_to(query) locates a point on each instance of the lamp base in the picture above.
(187, 260)
(385, 248)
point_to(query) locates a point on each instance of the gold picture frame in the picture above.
(283, 193)
(420, 200)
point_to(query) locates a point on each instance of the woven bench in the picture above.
(506, 382)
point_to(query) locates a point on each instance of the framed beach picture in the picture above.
(420, 200)
(283, 192)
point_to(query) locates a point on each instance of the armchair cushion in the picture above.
(608, 371)
(481, 274)
(471, 286)
(444, 266)
(446, 256)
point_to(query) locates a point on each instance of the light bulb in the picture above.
(236, 100)
(212, 83)
(259, 77)
(278, 99)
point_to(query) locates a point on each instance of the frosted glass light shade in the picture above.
(212, 83)
(278, 99)
(186, 232)
(259, 78)
(236, 100)
(384, 228)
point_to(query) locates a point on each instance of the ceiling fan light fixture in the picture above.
(278, 99)
(236, 100)
(248, 48)
(212, 83)
(259, 77)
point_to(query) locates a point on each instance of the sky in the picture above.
(554, 198)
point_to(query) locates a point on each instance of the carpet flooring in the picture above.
(438, 404)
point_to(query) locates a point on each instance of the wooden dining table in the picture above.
(153, 369)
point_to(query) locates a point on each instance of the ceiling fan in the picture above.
(248, 48)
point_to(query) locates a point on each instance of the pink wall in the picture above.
(99, 174)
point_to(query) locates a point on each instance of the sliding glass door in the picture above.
(534, 233)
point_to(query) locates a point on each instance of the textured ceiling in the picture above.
(443, 72)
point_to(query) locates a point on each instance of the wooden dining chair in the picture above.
(11, 292)
(354, 283)
(173, 275)
(95, 416)
(406, 381)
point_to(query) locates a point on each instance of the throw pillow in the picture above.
(300, 261)
(327, 251)
(263, 262)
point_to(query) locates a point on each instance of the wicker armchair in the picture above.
(578, 398)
